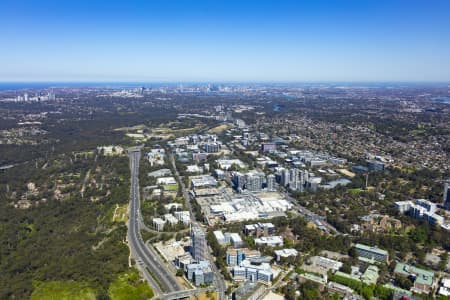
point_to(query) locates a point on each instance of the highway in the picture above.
(146, 258)
(185, 293)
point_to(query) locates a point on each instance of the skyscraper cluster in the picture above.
(294, 178)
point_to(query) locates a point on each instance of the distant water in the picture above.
(443, 99)
(44, 85)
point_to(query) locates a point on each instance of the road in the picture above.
(218, 278)
(185, 293)
(146, 258)
(313, 217)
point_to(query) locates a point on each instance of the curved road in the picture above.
(146, 258)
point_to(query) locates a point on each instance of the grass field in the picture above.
(62, 290)
(219, 129)
(171, 187)
(166, 130)
(129, 286)
(355, 191)
(121, 213)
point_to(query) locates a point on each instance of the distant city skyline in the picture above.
(224, 41)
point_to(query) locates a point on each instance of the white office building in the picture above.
(271, 241)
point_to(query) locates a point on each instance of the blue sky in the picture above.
(229, 40)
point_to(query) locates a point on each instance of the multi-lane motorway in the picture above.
(153, 269)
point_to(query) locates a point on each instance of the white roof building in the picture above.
(271, 241)
(173, 205)
(166, 180)
(285, 253)
(170, 219)
(444, 289)
(236, 239)
(158, 223)
(225, 164)
(220, 237)
(203, 181)
(194, 169)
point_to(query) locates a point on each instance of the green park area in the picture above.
(62, 290)
(129, 286)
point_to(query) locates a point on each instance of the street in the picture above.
(146, 258)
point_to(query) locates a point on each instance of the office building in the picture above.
(235, 256)
(285, 177)
(203, 181)
(422, 210)
(212, 147)
(253, 272)
(270, 241)
(271, 182)
(374, 253)
(199, 247)
(158, 223)
(200, 273)
(220, 237)
(198, 157)
(259, 229)
(236, 240)
(403, 206)
(253, 182)
(446, 202)
(238, 180)
(375, 165)
(285, 253)
(267, 147)
(249, 291)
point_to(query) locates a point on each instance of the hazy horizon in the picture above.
(21, 85)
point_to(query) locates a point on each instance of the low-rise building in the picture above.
(203, 181)
(198, 157)
(158, 223)
(254, 272)
(285, 253)
(183, 216)
(173, 205)
(259, 229)
(236, 240)
(166, 181)
(235, 256)
(268, 147)
(170, 219)
(375, 165)
(370, 275)
(444, 288)
(226, 164)
(156, 156)
(183, 261)
(271, 241)
(220, 237)
(200, 273)
(423, 279)
(322, 264)
(374, 253)
(249, 291)
(194, 169)
(212, 147)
